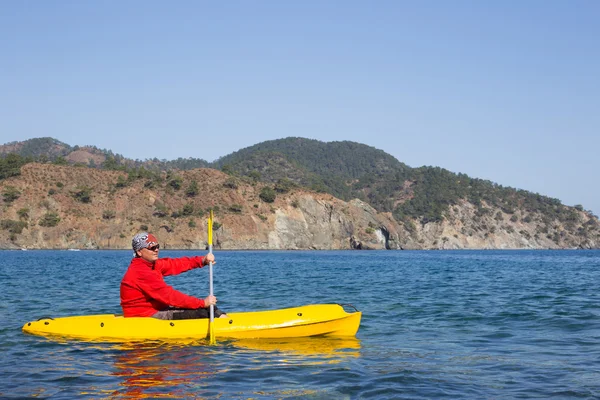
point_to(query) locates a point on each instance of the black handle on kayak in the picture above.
(39, 319)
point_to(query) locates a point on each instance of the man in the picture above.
(144, 292)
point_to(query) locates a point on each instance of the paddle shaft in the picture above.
(210, 278)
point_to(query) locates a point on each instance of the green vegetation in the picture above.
(108, 214)
(60, 160)
(160, 210)
(323, 166)
(47, 149)
(184, 164)
(254, 175)
(188, 209)
(11, 226)
(175, 182)
(49, 219)
(23, 213)
(134, 174)
(121, 182)
(83, 194)
(152, 179)
(112, 164)
(11, 165)
(262, 217)
(45, 146)
(192, 190)
(10, 194)
(267, 194)
(284, 185)
(231, 183)
(227, 169)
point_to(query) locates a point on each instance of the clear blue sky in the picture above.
(507, 91)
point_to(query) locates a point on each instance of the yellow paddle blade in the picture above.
(213, 339)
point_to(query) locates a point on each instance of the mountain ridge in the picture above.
(417, 200)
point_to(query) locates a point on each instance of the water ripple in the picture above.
(452, 324)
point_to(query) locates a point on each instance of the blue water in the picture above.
(445, 324)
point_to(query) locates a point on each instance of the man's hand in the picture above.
(208, 259)
(210, 300)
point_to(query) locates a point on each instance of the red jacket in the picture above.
(144, 291)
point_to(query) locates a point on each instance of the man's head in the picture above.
(145, 245)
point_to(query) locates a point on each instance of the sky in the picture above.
(507, 91)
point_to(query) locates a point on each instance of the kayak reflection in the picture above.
(154, 370)
(334, 349)
(181, 370)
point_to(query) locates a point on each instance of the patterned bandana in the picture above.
(142, 241)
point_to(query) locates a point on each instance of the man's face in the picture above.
(149, 254)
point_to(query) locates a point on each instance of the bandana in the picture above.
(143, 240)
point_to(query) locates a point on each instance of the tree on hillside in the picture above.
(284, 185)
(11, 165)
(83, 194)
(267, 194)
(60, 160)
(49, 219)
(111, 164)
(175, 182)
(192, 189)
(10, 194)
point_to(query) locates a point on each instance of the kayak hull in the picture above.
(305, 321)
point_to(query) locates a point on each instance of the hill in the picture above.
(431, 207)
(59, 207)
(351, 170)
(330, 167)
(48, 149)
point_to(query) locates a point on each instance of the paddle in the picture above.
(210, 275)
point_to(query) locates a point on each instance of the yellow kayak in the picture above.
(309, 320)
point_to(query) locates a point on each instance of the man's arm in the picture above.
(175, 266)
(155, 288)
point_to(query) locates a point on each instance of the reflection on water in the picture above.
(171, 370)
(154, 370)
(333, 348)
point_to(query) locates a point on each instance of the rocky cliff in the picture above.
(60, 207)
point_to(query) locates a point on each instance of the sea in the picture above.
(510, 324)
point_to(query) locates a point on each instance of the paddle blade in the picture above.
(213, 339)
